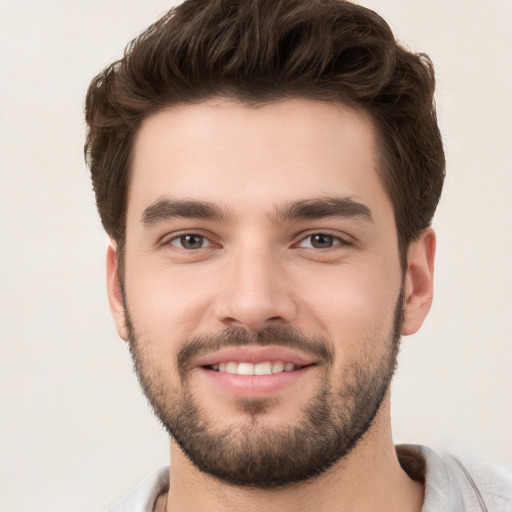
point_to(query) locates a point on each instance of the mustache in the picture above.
(281, 336)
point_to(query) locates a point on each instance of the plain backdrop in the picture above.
(75, 432)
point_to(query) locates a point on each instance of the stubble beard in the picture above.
(250, 453)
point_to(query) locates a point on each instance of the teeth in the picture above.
(265, 368)
(231, 367)
(278, 367)
(244, 368)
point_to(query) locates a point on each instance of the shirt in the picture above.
(450, 485)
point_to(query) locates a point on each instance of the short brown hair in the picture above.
(259, 51)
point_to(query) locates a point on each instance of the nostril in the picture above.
(254, 311)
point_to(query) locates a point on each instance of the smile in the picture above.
(254, 371)
(246, 368)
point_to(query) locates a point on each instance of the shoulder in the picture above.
(143, 496)
(493, 482)
(454, 483)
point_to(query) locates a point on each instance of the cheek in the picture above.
(352, 304)
(165, 301)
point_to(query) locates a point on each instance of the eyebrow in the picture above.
(165, 209)
(319, 208)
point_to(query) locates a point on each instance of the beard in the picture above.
(251, 453)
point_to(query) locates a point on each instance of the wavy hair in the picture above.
(261, 51)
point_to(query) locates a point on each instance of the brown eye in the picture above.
(190, 242)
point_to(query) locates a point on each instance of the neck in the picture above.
(369, 478)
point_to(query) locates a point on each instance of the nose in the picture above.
(255, 291)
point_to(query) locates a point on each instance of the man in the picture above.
(267, 171)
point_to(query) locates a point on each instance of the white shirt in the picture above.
(450, 485)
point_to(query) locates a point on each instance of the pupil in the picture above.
(321, 241)
(192, 241)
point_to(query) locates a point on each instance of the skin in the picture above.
(255, 271)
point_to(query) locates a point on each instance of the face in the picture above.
(262, 287)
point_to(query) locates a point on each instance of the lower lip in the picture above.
(255, 386)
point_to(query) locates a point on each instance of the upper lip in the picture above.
(254, 354)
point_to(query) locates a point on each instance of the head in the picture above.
(262, 52)
(300, 143)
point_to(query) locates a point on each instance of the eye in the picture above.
(321, 241)
(190, 242)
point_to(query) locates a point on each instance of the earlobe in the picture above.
(115, 296)
(419, 281)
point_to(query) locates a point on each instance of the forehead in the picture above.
(251, 159)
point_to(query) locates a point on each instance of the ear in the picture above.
(419, 281)
(115, 297)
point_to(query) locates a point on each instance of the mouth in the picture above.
(254, 371)
(248, 368)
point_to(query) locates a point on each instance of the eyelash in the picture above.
(183, 236)
(336, 241)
